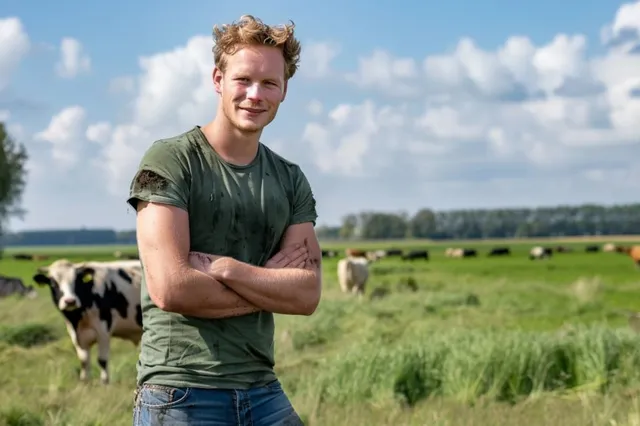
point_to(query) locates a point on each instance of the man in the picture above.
(225, 231)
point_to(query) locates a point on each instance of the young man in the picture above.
(225, 231)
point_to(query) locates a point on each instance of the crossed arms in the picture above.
(209, 286)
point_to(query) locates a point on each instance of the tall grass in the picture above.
(464, 365)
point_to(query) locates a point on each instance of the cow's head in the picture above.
(71, 285)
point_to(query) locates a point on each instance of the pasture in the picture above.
(478, 341)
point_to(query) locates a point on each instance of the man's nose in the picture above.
(254, 92)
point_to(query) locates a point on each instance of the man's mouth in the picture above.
(253, 110)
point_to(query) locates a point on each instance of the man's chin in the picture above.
(249, 127)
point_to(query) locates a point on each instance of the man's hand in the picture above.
(202, 261)
(293, 256)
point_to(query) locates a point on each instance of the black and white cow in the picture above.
(98, 300)
(13, 285)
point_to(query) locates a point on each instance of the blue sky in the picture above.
(397, 106)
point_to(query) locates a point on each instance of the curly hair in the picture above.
(249, 30)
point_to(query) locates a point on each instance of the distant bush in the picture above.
(468, 364)
(27, 335)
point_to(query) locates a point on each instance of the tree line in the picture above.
(587, 219)
(558, 221)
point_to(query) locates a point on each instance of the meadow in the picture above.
(484, 341)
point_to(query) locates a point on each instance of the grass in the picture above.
(486, 341)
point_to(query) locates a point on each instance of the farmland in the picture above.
(484, 341)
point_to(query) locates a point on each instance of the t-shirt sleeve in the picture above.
(304, 203)
(162, 177)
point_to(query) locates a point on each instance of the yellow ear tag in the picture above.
(87, 278)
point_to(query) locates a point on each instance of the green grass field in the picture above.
(486, 341)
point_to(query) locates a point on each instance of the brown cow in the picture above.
(634, 252)
(351, 252)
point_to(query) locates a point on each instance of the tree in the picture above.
(13, 158)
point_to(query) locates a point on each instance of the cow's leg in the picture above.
(104, 347)
(81, 351)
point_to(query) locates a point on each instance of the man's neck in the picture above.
(232, 145)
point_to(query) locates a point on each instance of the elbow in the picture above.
(311, 301)
(162, 297)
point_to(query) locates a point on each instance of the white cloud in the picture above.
(4, 115)
(14, 45)
(73, 60)
(316, 58)
(387, 73)
(65, 133)
(625, 28)
(99, 132)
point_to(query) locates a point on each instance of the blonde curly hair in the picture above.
(249, 30)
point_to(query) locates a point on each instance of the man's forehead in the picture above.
(267, 61)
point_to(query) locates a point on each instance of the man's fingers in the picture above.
(293, 257)
(302, 257)
(291, 249)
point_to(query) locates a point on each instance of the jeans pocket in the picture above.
(160, 396)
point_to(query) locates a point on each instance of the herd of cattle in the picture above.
(353, 270)
(101, 299)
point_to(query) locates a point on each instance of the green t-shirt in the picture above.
(237, 211)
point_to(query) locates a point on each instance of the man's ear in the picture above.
(284, 91)
(217, 80)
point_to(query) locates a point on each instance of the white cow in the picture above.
(539, 252)
(98, 300)
(353, 273)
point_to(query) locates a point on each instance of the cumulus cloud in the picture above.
(316, 59)
(65, 133)
(73, 59)
(14, 45)
(174, 93)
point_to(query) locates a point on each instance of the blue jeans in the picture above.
(261, 406)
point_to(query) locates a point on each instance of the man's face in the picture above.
(252, 87)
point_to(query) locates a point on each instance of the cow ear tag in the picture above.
(87, 278)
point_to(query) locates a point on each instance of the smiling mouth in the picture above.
(253, 110)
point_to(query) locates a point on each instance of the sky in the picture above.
(397, 105)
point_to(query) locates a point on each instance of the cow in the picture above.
(563, 249)
(351, 252)
(592, 249)
(353, 273)
(98, 300)
(634, 253)
(464, 252)
(500, 251)
(329, 253)
(13, 285)
(393, 252)
(374, 256)
(609, 247)
(539, 252)
(416, 254)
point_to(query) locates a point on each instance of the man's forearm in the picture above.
(197, 294)
(292, 291)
